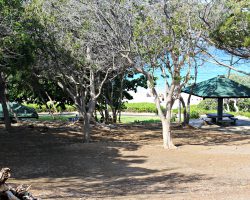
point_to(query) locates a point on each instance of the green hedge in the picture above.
(140, 107)
(38, 108)
(208, 104)
(196, 110)
(194, 114)
(244, 105)
(42, 108)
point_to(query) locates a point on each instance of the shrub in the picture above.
(140, 107)
(244, 105)
(71, 108)
(246, 114)
(42, 108)
(208, 104)
(194, 114)
(38, 108)
(68, 108)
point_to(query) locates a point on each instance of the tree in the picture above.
(232, 33)
(15, 47)
(173, 49)
(244, 80)
(114, 91)
(87, 41)
(160, 40)
(241, 104)
(28, 86)
(186, 106)
(226, 27)
(77, 56)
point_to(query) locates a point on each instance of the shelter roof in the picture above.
(218, 87)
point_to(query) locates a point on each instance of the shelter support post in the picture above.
(179, 112)
(220, 108)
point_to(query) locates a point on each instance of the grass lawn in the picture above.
(138, 119)
(57, 117)
(124, 119)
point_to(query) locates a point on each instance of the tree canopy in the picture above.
(232, 34)
(84, 49)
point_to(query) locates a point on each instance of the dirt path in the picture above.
(127, 162)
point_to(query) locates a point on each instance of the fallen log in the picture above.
(4, 175)
(9, 193)
(11, 196)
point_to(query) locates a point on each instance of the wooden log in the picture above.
(9, 193)
(4, 187)
(11, 196)
(4, 175)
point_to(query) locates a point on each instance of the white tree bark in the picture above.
(3, 101)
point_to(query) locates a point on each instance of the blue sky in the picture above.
(209, 70)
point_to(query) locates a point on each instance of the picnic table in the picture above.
(226, 118)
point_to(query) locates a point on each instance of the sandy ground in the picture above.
(128, 162)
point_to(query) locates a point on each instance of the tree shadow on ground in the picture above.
(56, 160)
(147, 133)
(209, 137)
(111, 187)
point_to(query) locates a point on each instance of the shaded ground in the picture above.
(127, 162)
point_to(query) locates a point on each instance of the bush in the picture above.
(246, 114)
(194, 114)
(244, 105)
(208, 104)
(68, 108)
(42, 108)
(140, 107)
(38, 108)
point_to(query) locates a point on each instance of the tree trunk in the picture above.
(87, 118)
(102, 118)
(114, 113)
(53, 106)
(166, 133)
(106, 119)
(187, 107)
(15, 115)
(86, 128)
(166, 129)
(121, 98)
(185, 114)
(179, 111)
(119, 116)
(235, 105)
(86, 123)
(188, 110)
(3, 101)
(226, 103)
(165, 118)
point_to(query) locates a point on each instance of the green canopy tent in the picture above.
(219, 87)
(21, 111)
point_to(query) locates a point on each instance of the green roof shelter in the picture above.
(219, 87)
(20, 110)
